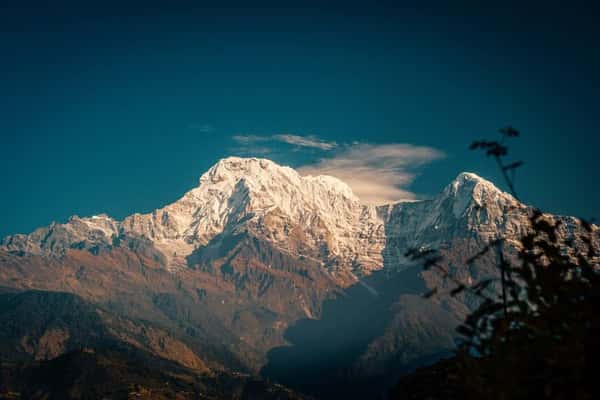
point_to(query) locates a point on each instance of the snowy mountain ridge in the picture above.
(315, 216)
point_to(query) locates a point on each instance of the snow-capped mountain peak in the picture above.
(470, 190)
(259, 174)
(265, 196)
(468, 183)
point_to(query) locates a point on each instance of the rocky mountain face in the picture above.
(259, 269)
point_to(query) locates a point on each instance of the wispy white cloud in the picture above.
(377, 174)
(294, 140)
(306, 141)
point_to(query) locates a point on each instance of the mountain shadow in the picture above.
(322, 358)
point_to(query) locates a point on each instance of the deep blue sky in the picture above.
(119, 108)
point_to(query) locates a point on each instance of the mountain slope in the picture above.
(43, 325)
(105, 373)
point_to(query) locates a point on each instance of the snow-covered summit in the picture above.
(471, 190)
(261, 171)
(468, 182)
(262, 194)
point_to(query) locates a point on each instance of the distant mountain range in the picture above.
(257, 271)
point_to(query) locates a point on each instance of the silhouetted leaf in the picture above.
(509, 131)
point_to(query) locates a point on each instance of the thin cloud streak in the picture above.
(377, 174)
(306, 141)
(310, 141)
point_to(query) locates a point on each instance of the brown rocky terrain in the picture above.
(111, 374)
